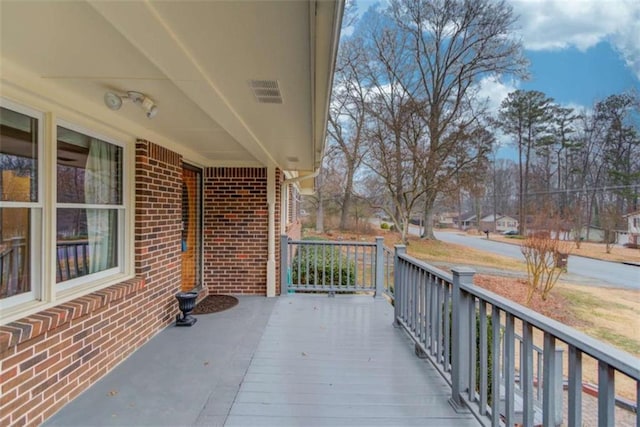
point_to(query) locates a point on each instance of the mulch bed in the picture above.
(556, 306)
(214, 304)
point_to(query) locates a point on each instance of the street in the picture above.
(582, 270)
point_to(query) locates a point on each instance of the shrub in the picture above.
(322, 265)
(384, 226)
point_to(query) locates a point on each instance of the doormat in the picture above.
(214, 304)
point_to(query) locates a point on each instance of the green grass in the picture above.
(588, 303)
(617, 340)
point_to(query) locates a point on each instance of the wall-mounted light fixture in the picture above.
(114, 102)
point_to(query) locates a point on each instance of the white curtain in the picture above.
(101, 187)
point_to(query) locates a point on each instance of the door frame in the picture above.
(199, 265)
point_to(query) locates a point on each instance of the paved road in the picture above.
(586, 270)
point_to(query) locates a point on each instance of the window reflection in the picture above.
(15, 240)
(18, 157)
(87, 241)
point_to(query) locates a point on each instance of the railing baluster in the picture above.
(435, 320)
(416, 281)
(575, 387)
(483, 356)
(472, 348)
(446, 328)
(495, 366)
(606, 395)
(423, 303)
(526, 375)
(539, 377)
(429, 309)
(549, 389)
(315, 266)
(439, 322)
(509, 368)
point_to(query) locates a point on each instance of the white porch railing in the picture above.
(453, 323)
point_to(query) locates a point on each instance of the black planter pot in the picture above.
(186, 303)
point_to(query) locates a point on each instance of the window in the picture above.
(20, 208)
(89, 187)
(86, 173)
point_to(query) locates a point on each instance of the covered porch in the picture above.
(294, 360)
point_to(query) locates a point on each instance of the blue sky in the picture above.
(580, 51)
(577, 77)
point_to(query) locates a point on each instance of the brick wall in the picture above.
(235, 230)
(48, 358)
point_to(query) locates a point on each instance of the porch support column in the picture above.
(271, 248)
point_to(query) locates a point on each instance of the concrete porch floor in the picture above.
(290, 361)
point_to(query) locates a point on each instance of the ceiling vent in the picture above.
(266, 91)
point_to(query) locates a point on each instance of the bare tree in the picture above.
(347, 118)
(454, 43)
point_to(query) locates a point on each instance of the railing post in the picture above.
(284, 264)
(379, 267)
(397, 285)
(461, 337)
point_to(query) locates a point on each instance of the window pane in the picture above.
(87, 242)
(14, 251)
(18, 157)
(89, 170)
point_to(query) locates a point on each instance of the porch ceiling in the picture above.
(195, 60)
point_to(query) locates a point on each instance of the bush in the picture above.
(384, 226)
(318, 265)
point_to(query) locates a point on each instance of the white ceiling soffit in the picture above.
(196, 60)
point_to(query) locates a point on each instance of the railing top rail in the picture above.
(331, 243)
(441, 274)
(618, 359)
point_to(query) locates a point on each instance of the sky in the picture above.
(580, 51)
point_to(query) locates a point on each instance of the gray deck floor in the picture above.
(319, 361)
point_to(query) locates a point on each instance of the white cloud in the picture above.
(558, 24)
(492, 91)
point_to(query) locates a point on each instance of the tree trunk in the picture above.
(427, 218)
(346, 200)
(320, 209)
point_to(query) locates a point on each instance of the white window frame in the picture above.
(45, 292)
(36, 213)
(121, 209)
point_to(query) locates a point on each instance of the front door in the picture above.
(191, 227)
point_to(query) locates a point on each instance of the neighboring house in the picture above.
(465, 221)
(591, 234)
(499, 223)
(446, 219)
(124, 210)
(633, 228)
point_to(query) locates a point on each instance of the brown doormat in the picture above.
(214, 304)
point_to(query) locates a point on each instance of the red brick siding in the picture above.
(235, 230)
(49, 358)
